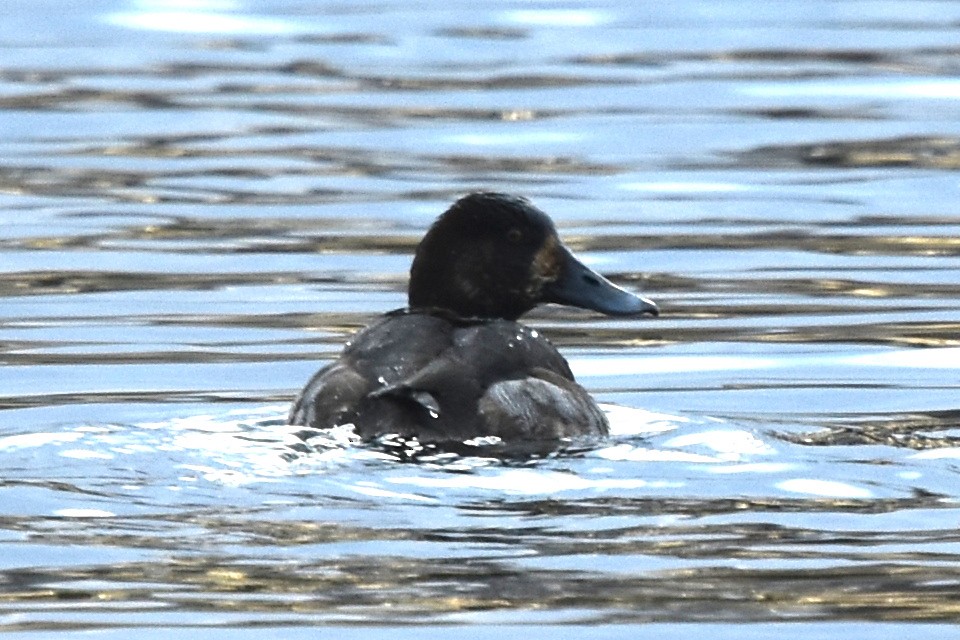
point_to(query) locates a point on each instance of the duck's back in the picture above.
(440, 378)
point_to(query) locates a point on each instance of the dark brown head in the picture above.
(493, 255)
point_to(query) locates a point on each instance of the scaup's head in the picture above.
(493, 255)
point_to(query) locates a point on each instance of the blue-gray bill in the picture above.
(580, 286)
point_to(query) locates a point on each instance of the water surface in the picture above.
(200, 202)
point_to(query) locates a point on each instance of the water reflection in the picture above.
(208, 17)
(913, 151)
(750, 572)
(202, 201)
(919, 431)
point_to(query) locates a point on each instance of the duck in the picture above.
(455, 364)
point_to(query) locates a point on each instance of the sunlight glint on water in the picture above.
(202, 201)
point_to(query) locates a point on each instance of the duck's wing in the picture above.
(330, 397)
(391, 349)
(540, 406)
(498, 378)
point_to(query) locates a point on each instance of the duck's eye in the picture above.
(514, 235)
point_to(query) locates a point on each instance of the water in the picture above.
(201, 201)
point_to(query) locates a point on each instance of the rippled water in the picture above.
(200, 201)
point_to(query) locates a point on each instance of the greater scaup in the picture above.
(455, 365)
